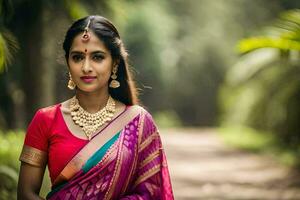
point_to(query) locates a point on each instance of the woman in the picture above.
(99, 144)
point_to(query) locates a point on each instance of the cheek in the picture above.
(72, 65)
(104, 68)
(75, 66)
(105, 73)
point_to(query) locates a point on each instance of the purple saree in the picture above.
(133, 167)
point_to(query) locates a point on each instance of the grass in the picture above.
(249, 139)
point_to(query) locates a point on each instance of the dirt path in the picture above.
(202, 167)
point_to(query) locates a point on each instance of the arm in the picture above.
(34, 158)
(30, 181)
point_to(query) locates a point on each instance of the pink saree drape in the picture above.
(134, 167)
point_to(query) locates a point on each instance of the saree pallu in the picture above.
(131, 165)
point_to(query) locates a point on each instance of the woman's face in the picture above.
(90, 64)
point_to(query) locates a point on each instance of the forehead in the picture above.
(93, 44)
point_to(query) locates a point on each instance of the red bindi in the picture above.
(85, 50)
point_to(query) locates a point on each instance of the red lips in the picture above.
(88, 79)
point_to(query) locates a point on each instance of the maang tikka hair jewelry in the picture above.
(114, 83)
(71, 84)
(86, 35)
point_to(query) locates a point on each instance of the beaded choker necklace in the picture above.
(89, 122)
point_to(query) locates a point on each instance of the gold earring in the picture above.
(71, 84)
(114, 83)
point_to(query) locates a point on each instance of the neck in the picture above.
(92, 102)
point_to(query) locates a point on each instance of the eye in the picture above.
(98, 57)
(77, 57)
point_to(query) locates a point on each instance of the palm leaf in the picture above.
(8, 46)
(9, 172)
(283, 35)
(251, 44)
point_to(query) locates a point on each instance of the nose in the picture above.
(86, 68)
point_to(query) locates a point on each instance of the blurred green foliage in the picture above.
(8, 47)
(284, 35)
(250, 139)
(262, 90)
(247, 138)
(75, 9)
(8, 184)
(11, 143)
(167, 119)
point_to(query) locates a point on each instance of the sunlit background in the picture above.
(221, 78)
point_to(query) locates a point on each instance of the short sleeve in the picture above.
(36, 135)
(36, 141)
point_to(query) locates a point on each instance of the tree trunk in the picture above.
(29, 29)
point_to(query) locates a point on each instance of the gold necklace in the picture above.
(90, 122)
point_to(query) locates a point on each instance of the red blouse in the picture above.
(48, 132)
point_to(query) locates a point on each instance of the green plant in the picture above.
(263, 89)
(283, 35)
(167, 119)
(11, 143)
(8, 43)
(250, 139)
(8, 184)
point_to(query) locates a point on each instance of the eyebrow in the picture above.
(81, 52)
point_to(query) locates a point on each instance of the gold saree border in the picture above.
(149, 158)
(147, 174)
(141, 128)
(142, 145)
(89, 149)
(148, 141)
(33, 156)
(118, 167)
(140, 132)
(109, 156)
(116, 171)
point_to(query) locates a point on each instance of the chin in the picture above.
(91, 88)
(88, 89)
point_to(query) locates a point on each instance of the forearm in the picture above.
(30, 181)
